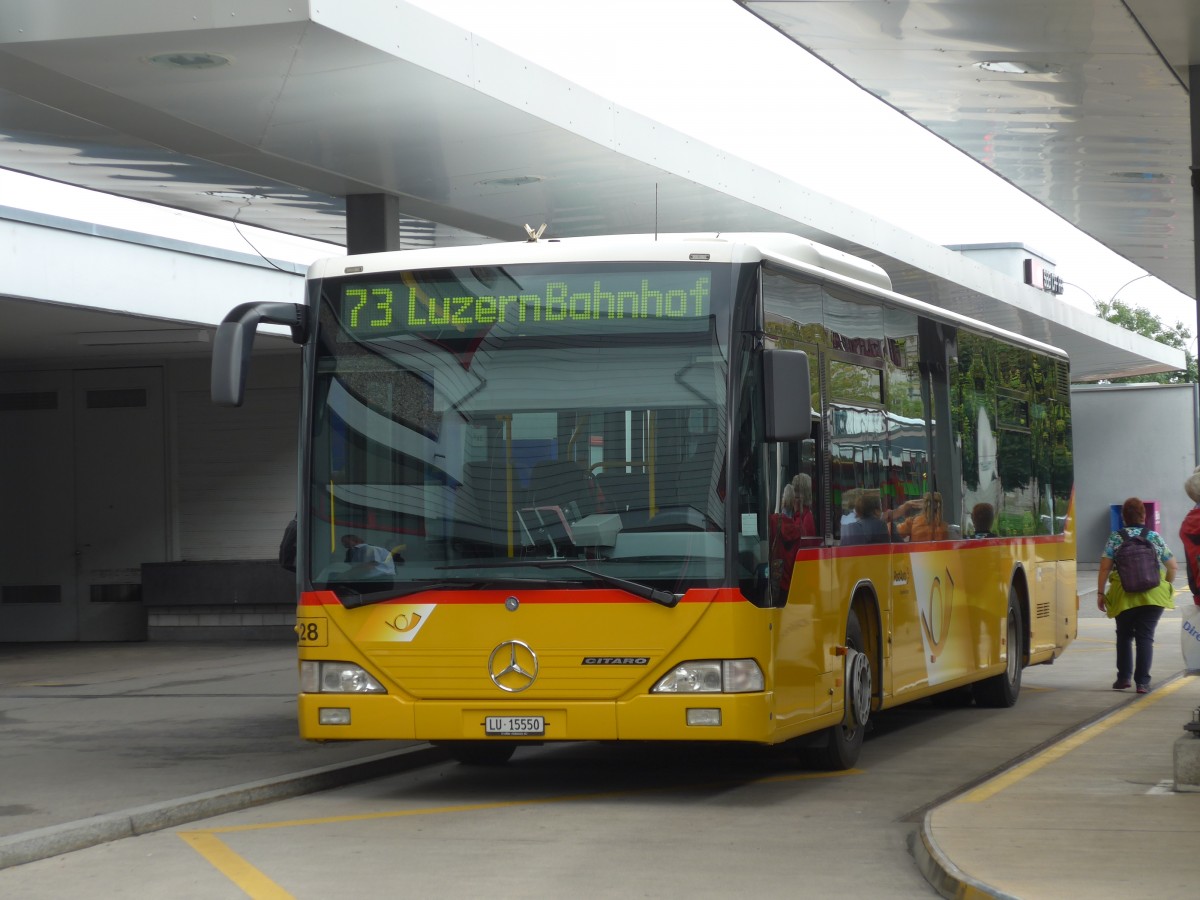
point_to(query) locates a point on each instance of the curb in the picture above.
(53, 840)
(944, 876)
(939, 871)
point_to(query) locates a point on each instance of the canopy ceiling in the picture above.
(269, 112)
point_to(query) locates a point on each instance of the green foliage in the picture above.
(1141, 321)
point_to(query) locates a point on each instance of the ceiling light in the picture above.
(188, 59)
(1012, 67)
(513, 180)
(157, 336)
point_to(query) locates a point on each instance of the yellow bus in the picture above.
(662, 488)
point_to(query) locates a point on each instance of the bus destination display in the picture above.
(591, 300)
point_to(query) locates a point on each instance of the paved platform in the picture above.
(1095, 814)
(103, 741)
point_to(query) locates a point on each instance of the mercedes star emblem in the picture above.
(513, 666)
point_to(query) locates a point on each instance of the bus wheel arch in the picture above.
(1001, 691)
(838, 747)
(1020, 584)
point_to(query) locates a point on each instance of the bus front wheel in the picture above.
(838, 747)
(1001, 691)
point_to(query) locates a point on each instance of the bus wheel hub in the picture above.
(858, 688)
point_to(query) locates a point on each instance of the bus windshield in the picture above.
(478, 424)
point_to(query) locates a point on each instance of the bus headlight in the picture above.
(337, 678)
(712, 676)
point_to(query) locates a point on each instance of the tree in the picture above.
(1141, 321)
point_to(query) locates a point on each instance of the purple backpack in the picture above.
(1137, 562)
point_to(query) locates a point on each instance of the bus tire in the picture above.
(1001, 691)
(479, 753)
(837, 748)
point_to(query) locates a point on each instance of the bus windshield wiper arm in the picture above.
(664, 598)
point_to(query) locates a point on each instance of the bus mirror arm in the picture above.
(235, 342)
(787, 392)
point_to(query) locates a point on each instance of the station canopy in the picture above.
(271, 113)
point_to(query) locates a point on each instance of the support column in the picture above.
(372, 223)
(1194, 110)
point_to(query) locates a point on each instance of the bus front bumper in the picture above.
(658, 717)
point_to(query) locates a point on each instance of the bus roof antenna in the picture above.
(534, 235)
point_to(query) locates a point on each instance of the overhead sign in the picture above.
(415, 303)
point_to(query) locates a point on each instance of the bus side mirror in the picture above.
(235, 341)
(788, 393)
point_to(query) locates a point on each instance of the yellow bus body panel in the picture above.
(936, 611)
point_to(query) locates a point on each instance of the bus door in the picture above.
(929, 600)
(798, 522)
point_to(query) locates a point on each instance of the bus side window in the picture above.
(857, 463)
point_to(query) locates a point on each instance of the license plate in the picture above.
(514, 725)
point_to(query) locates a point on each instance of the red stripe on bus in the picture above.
(561, 597)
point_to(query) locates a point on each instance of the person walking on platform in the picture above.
(1189, 534)
(1133, 591)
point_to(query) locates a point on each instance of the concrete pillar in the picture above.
(372, 223)
(1194, 110)
(1187, 763)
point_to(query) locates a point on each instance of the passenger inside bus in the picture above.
(868, 526)
(926, 525)
(786, 538)
(802, 504)
(982, 517)
(849, 503)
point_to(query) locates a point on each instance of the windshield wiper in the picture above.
(663, 598)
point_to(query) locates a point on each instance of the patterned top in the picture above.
(1114, 541)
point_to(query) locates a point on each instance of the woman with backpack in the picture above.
(1133, 591)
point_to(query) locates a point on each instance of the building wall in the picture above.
(210, 489)
(232, 480)
(1135, 440)
(233, 471)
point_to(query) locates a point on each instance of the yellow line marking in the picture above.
(991, 788)
(258, 886)
(247, 878)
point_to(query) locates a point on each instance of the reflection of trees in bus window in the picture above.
(793, 313)
(855, 383)
(908, 439)
(1004, 404)
(1014, 446)
(1050, 426)
(1014, 458)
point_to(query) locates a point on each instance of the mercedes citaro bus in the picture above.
(725, 487)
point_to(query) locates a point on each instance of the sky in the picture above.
(686, 63)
